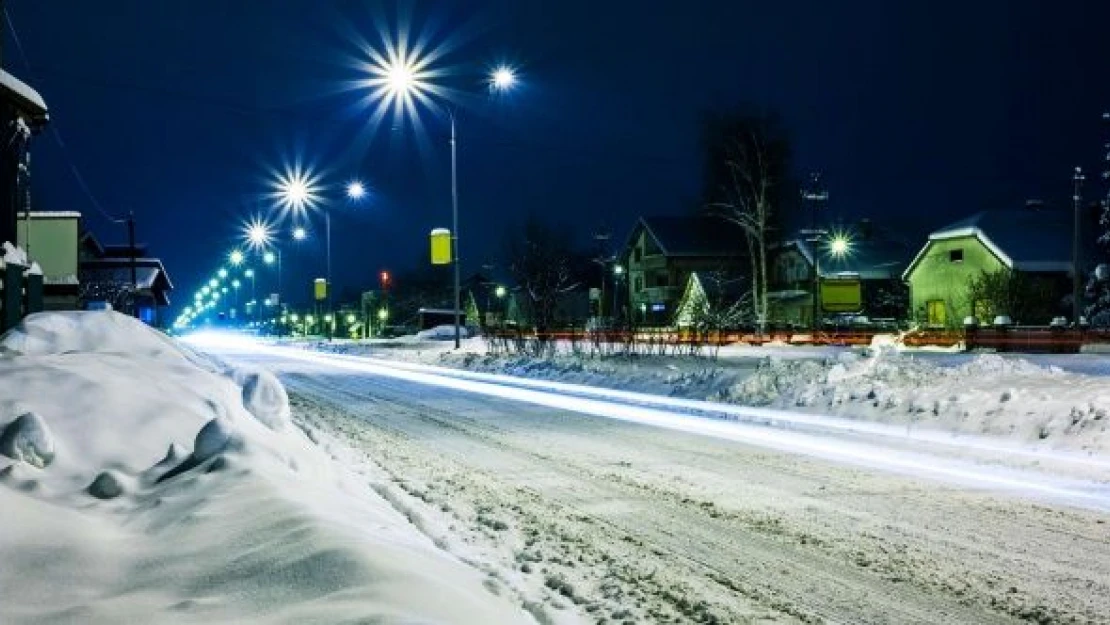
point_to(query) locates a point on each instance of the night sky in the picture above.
(917, 113)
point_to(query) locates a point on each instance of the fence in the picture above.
(20, 293)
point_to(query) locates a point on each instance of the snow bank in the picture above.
(987, 394)
(441, 333)
(176, 494)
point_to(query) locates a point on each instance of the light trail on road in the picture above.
(629, 407)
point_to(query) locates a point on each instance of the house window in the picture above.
(637, 253)
(956, 256)
(936, 312)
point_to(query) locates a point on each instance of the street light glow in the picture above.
(296, 190)
(259, 234)
(236, 257)
(222, 273)
(355, 190)
(299, 233)
(840, 244)
(502, 78)
(269, 258)
(249, 273)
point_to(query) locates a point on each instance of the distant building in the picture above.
(22, 114)
(1035, 241)
(661, 253)
(865, 280)
(51, 240)
(138, 287)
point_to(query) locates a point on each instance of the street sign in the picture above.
(841, 295)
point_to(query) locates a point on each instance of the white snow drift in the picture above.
(108, 517)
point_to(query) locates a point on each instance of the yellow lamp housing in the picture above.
(441, 246)
(320, 289)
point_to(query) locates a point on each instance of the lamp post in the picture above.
(403, 78)
(618, 273)
(298, 190)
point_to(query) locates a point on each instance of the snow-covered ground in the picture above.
(606, 510)
(1040, 401)
(142, 483)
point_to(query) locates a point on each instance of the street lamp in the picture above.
(298, 190)
(236, 257)
(618, 273)
(401, 77)
(222, 273)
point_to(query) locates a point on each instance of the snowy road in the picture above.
(600, 508)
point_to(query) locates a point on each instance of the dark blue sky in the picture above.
(917, 112)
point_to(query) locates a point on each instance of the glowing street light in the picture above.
(356, 190)
(502, 78)
(299, 233)
(499, 292)
(840, 245)
(269, 258)
(213, 283)
(222, 273)
(236, 257)
(402, 76)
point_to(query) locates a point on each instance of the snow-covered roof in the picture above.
(51, 215)
(1030, 239)
(24, 97)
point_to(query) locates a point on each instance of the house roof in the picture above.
(1030, 239)
(23, 97)
(149, 273)
(679, 235)
(870, 259)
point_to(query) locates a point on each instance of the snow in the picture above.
(1036, 401)
(256, 524)
(27, 439)
(13, 254)
(441, 333)
(26, 92)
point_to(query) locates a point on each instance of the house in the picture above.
(22, 114)
(51, 240)
(863, 278)
(1034, 241)
(127, 279)
(662, 252)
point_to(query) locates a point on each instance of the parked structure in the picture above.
(1035, 242)
(661, 253)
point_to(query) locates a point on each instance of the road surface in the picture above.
(604, 509)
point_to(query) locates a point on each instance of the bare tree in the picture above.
(745, 184)
(540, 260)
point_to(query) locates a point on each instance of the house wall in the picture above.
(938, 281)
(52, 243)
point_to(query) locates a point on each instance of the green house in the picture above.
(1035, 241)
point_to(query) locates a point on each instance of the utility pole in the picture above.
(816, 196)
(1077, 201)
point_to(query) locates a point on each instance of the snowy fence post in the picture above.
(11, 296)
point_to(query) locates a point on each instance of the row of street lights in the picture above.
(399, 78)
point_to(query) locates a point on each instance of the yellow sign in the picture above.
(321, 289)
(441, 246)
(841, 295)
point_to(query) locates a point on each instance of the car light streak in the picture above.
(840, 450)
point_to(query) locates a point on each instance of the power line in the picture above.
(58, 136)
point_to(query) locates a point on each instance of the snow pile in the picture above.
(988, 394)
(441, 333)
(108, 517)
